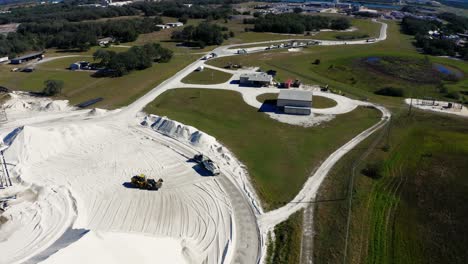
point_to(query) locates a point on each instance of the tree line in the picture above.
(201, 35)
(67, 11)
(71, 35)
(136, 58)
(296, 23)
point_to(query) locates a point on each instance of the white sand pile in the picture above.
(21, 102)
(88, 165)
(209, 146)
(35, 219)
(119, 248)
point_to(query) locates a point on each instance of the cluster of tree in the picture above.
(296, 23)
(414, 26)
(438, 45)
(52, 87)
(70, 35)
(69, 11)
(203, 34)
(136, 58)
(178, 9)
(456, 24)
(13, 44)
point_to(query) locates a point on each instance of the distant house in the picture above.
(175, 24)
(105, 41)
(31, 56)
(297, 102)
(257, 79)
(3, 59)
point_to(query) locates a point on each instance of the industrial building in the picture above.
(257, 79)
(28, 57)
(297, 102)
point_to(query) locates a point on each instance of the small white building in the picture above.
(296, 102)
(175, 24)
(257, 79)
(162, 26)
(3, 59)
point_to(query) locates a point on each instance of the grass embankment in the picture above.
(279, 156)
(207, 76)
(365, 29)
(415, 211)
(80, 86)
(317, 101)
(286, 248)
(342, 67)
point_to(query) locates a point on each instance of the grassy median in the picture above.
(207, 76)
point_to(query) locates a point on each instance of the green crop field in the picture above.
(207, 76)
(279, 157)
(80, 86)
(414, 211)
(317, 101)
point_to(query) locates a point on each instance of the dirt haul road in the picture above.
(60, 154)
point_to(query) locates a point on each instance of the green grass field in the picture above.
(365, 27)
(415, 212)
(317, 101)
(339, 68)
(207, 76)
(80, 86)
(279, 157)
(286, 249)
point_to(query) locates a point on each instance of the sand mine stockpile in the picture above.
(73, 195)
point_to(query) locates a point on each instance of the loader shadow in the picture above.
(201, 170)
(129, 185)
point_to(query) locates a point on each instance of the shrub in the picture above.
(453, 95)
(52, 87)
(390, 91)
(373, 170)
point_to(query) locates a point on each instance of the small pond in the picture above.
(447, 70)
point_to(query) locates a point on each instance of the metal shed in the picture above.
(28, 57)
(255, 79)
(295, 101)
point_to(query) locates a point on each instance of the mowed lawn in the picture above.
(279, 157)
(363, 26)
(80, 86)
(415, 212)
(207, 76)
